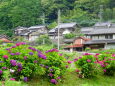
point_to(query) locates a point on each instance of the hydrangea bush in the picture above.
(86, 66)
(24, 61)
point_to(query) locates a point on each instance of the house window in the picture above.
(109, 36)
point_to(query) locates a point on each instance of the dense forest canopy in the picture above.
(26, 13)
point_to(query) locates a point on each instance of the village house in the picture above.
(77, 44)
(103, 36)
(4, 40)
(64, 28)
(31, 33)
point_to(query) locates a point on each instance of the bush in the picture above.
(23, 62)
(69, 36)
(86, 65)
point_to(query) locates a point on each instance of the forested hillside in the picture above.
(26, 13)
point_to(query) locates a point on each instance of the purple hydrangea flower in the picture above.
(13, 62)
(17, 53)
(4, 67)
(29, 47)
(19, 69)
(46, 67)
(52, 50)
(25, 79)
(7, 48)
(50, 74)
(33, 49)
(1, 61)
(59, 77)
(13, 46)
(40, 55)
(51, 69)
(41, 65)
(30, 53)
(0, 72)
(53, 81)
(19, 65)
(35, 61)
(12, 54)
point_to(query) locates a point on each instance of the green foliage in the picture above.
(52, 25)
(86, 65)
(21, 61)
(56, 63)
(69, 36)
(43, 39)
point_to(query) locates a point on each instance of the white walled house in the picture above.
(101, 38)
(64, 28)
(31, 33)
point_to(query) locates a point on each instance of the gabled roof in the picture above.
(63, 25)
(100, 41)
(66, 25)
(84, 38)
(102, 24)
(102, 31)
(86, 30)
(20, 28)
(37, 27)
(52, 30)
(68, 40)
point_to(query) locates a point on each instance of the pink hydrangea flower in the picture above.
(12, 79)
(77, 70)
(5, 56)
(69, 62)
(67, 66)
(88, 60)
(104, 70)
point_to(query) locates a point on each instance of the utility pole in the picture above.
(101, 13)
(59, 13)
(43, 22)
(43, 19)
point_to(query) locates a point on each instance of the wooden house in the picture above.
(31, 33)
(64, 28)
(77, 44)
(101, 38)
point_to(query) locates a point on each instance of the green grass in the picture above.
(71, 79)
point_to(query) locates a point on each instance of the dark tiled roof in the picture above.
(102, 31)
(66, 25)
(86, 30)
(68, 40)
(100, 41)
(22, 28)
(63, 25)
(102, 24)
(37, 27)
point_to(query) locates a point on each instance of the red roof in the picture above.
(75, 45)
(86, 39)
(5, 40)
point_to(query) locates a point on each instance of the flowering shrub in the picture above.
(24, 61)
(86, 65)
(107, 63)
(55, 65)
(21, 60)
